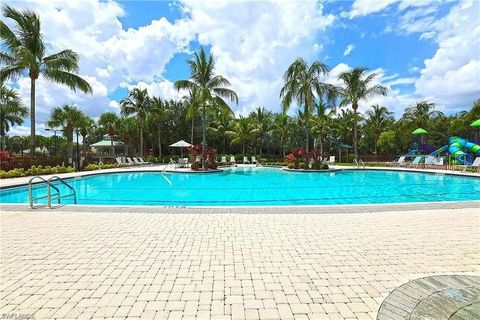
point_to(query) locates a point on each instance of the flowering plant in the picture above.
(210, 154)
(4, 156)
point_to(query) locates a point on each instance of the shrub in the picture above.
(34, 170)
(195, 166)
(26, 162)
(94, 166)
(213, 166)
(291, 166)
(324, 166)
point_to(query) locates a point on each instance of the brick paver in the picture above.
(224, 266)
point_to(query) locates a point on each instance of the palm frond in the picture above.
(71, 80)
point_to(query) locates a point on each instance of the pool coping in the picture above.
(287, 209)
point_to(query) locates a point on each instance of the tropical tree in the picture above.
(192, 110)
(158, 114)
(223, 125)
(243, 132)
(281, 128)
(109, 120)
(23, 49)
(303, 85)
(421, 113)
(138, 104)
(68, 118)
(321, 120)
(357, 87)
(210, 89)
(12, 112)
(261, 120)
(85, 126)
(127, 128)
(378, 119)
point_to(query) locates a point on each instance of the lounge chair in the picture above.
(429, 161)
(140, 159)
(183, 163)
(475, 164)
(119, 161)
(245, 160)
(331, 160)
(232, 160)
(254, 160)
(135, 160)
(416, 162)
(400, 162)
(130, 161)
(224, 159)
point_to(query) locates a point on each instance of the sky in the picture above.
(419, 49)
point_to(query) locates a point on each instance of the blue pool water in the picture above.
(262, 187)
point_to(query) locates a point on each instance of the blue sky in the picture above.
(419, 49)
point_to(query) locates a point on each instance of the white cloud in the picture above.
(451, 78)
(365, 7)
(348, 49)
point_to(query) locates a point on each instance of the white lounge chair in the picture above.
(331, 160)
(416, 162)
(245, 160)
(140, 159)
(183, 163)
(224, 159)
(135, 160)
(400, 162)
(254, 160)
(119, 160)
(130, 161)
(232, 160)
(475, 164)
(429, 161)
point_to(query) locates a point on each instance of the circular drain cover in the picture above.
(436, 297)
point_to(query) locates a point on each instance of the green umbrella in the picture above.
(475, 123)
(419, 132)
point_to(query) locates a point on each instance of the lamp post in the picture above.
(55, 137)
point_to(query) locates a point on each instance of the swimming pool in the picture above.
(243, 186)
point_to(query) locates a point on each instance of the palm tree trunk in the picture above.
(141, 138)
(224, 144)
(355, 148)
(321, 145)
(193, 126)
(2, 142)
(159, 142)
(112, 150)
(243, 148)
(32, 116)
(203, 138)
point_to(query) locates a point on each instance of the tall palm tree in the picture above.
(321, 120)
(378, 119)
(192, 110)
(139, 104)
(12, 112)
(303, 85)
(23, 49)
(108, 120)
(243, 132)
(158, 116)
(262, 120)
(223, 125)
(358, 86)
(85, 126)
(281, 129)
(127, 128)
(421, 113)
(66, 117)
(210, 88)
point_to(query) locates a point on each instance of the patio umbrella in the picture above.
(181, 144)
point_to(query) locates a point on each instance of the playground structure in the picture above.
(460, 150)
(420, 143)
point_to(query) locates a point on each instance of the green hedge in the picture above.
(34, 171)
(94, 166)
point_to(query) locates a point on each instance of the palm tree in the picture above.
(158, 116)
(320, 121)
(192, 111)
(223, 126)
(139, 104)
(109, 120)
(378, 119)
(358, 86)
(210, 88)
(66, 117)
(421, 113)
(303, 85)
(85, 126)
(25, 50)
(127, 128)
(12, 112)
(281, 129)
(243, 132)
(262, 120)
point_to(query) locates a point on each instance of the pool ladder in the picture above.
(57, 196)
(359, 163)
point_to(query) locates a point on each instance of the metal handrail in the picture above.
(59, 196)
(30, 192)
(361, 162)
(358, 163)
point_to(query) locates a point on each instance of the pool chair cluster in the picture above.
(131, 161)
(430, 161)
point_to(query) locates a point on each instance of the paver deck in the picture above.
(180, 264)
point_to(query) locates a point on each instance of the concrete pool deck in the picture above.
(186, 263)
